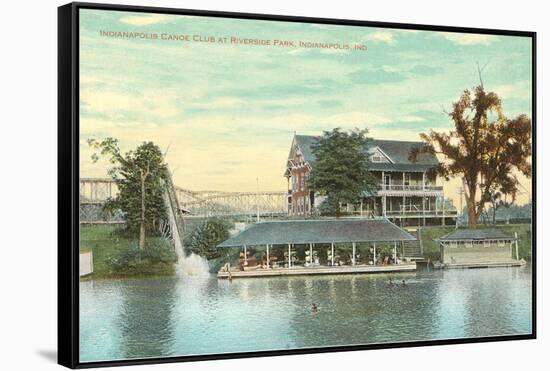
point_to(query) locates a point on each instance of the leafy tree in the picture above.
(341, 169)
(208, 235)
(140, 175)
(485, 148)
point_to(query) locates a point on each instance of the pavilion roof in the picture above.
(476, 234)
(318, 231)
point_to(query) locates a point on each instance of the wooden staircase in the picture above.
(412, 250)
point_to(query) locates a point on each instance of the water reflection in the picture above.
(144, 318)
(204, 315)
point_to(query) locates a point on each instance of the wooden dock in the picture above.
(317, 270)
(511, 263)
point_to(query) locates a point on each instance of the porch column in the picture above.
(374, 245)
(267, 254)
(311, 254)
(423, 209)
(423, 180)
(289, 257)
(245, 257)
(384, 206)
(395, 252)
(443, 218)
(361, 207)
(332, 252)
(353, 252)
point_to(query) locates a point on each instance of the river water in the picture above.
(125, 319)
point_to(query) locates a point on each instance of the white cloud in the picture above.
(155, 103)
(517, 90)
(380, 36)
(410, 118)
(468, 38)
(146, 20)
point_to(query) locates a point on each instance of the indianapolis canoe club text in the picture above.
(232, 40)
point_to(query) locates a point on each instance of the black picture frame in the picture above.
(68, 182)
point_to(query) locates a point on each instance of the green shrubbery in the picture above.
(158, 256)
(207, 236)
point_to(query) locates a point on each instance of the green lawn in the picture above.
(110, 242)
(431, 250)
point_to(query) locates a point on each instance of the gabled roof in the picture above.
(476, 234)
(305, 143)
(398, 151)
(318, 231)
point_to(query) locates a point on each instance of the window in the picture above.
(302, 183)
(377, 158)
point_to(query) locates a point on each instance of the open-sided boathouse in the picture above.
(317, 235)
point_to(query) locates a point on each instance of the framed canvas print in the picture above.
(239, 185)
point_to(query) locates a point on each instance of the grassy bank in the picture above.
(116, 256)
(431, 249)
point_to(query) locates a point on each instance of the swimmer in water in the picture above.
(403, 283)
(314, 308)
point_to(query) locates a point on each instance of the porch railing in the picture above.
(410, 187)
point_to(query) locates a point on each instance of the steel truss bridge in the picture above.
(94, 192)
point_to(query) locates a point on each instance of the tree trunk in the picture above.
(472, 213)
(142, 221)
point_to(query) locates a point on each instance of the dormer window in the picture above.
(377, 158)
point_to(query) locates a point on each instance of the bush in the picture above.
(157, 257)
(208, 235)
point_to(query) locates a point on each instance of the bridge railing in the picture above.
(96, 191)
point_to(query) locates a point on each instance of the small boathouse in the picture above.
(319, 240)
(472, 248)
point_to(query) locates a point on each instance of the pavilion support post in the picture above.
(267, 255)
(374, 246)
(353, 253)
(517, 248)
(245, 257)
(289, 257)
(311, 254)
(395, 252)
(332, 253)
